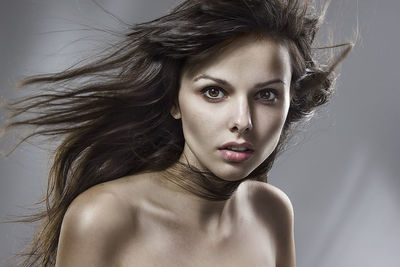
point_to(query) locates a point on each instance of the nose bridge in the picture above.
(243, 114)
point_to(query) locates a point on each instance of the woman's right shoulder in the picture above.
(100, 205)
(95, 225)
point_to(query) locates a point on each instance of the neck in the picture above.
(196, 199)
(199, 183)
(181, 205)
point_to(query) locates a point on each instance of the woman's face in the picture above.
(233, 107)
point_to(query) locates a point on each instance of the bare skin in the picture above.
(241, 96)
(144, 221)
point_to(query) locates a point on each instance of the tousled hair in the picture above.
(113, 114)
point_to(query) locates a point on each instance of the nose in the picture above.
(241, 120)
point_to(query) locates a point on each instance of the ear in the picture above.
(175, 112)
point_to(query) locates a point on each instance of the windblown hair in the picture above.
(114, 114)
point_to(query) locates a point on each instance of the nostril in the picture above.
(242, 127)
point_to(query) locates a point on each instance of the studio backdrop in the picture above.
(341, 171)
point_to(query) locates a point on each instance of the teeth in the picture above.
(240, 149)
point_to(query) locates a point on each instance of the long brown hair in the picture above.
(113, 113)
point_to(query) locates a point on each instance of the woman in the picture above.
(168, 139)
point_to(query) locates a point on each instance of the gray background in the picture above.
(341, 174)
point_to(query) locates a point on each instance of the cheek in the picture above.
(198, 121)
(270, 126)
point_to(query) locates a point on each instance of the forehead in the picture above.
(265, 55)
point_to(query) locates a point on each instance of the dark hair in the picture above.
(114, 113)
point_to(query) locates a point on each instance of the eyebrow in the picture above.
(226, 83)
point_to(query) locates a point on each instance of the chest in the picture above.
(245, 246)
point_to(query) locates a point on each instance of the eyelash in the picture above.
(216, 99)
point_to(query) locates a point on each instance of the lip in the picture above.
(244, 144)
(236, 156)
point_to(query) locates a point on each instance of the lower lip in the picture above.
(235, 156)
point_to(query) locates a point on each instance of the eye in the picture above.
(213, 92)
(267, 95)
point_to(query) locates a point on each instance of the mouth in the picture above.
(236, 152)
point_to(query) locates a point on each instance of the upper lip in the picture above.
(235, 144)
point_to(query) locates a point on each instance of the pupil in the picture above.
(214, 92)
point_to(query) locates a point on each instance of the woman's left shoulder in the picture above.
(273, 211)
(266, 198)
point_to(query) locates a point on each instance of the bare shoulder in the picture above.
(96, 224)
(264, 196)
(274, 211)
(99, 207)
